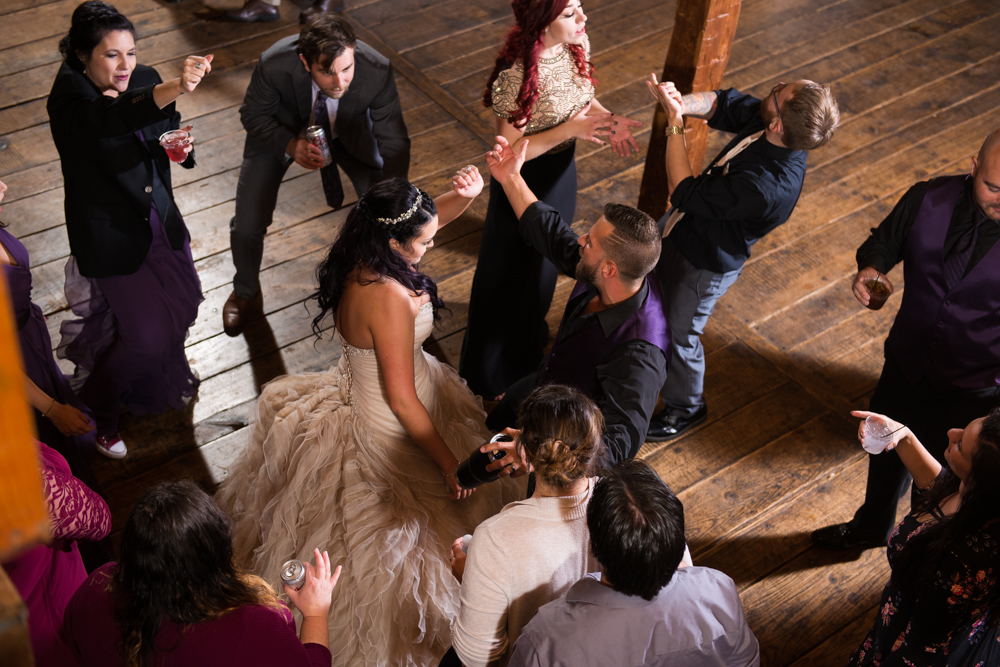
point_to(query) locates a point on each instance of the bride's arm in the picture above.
(466, 185)
(392, 333)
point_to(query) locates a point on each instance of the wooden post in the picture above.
(696, 60)
(24, 519)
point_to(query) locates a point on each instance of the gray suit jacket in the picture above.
(277, 105)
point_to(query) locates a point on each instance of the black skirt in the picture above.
(513, 285)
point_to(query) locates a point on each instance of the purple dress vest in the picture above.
(951, 337)
(574, 360)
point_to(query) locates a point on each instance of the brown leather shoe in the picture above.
(254, 10)
(238, 311)
(321, 7)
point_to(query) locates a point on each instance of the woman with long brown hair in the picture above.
(542, 87)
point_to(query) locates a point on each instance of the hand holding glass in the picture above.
(174, 142)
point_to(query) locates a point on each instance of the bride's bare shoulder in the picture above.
(368, 293)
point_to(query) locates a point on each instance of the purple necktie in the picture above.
(332, 187)
(958, 258)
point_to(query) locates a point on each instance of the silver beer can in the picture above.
(317, 137)
(293, 573)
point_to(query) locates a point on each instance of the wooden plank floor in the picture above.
(790, 351)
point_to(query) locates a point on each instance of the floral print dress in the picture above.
(947, 621)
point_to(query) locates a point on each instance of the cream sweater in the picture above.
(524, 557)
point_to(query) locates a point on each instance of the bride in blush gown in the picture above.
(360, 460)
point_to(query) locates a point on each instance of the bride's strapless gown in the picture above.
(328, 466)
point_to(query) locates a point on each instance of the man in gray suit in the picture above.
(326, 77)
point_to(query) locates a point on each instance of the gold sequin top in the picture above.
(562, 92)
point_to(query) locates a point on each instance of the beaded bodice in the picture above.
(562, 91)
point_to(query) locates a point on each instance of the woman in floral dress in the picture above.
(942, 602)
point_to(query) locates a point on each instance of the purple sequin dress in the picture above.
(128, 345)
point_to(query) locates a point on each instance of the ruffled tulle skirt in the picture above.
(330, 470)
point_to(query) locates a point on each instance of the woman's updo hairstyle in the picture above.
(391, 209)
(561, 434)
(91, 23)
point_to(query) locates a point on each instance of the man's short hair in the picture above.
(634, 246)
(636, 529)
(324, 38)
(809, 118)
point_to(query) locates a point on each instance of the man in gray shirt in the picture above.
(643, 610)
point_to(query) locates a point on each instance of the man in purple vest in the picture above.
(614, 340)
(942, 355)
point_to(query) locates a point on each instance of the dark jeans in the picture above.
(256, 197)
(929, 412)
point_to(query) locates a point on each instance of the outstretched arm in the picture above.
(505, 161)
(392, 333)
(466, 184)
(923, 467)
(587, 125)
(620, 130)
(670, 100)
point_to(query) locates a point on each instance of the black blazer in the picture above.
(108, 173)
(278, 103)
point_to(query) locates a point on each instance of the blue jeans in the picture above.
(689, 296)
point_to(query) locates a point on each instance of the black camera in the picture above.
(472, 471)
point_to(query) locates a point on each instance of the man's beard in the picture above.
(587, 274)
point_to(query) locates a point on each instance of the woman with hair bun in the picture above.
(542, 88)
(535, 549)
(131, 278)
(361, 459)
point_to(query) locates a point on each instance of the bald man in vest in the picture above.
(614, 341)
(942, 355)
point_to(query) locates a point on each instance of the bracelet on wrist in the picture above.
(450, 474)
(49, 409)
(673, 129)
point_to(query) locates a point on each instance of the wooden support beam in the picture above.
(24, 519)
(696, 60)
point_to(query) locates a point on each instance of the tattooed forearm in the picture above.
(700, 105)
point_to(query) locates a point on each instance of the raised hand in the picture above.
(467, 182)
(195, 69)
(315, 596)
(504, 161)
(668, 97)
(621, 135)
(514, 463)
(589, 127)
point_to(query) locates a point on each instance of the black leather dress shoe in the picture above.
(838, 537)
(665, 426)
(321, 7)
(238, 311)
(254, 10)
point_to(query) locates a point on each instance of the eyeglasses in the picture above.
(774, 93)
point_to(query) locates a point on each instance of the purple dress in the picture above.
(249, 636)
(39, 362)
(128, 345)
(47, 576)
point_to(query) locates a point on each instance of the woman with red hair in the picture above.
(542, 89)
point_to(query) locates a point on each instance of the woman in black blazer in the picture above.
(131, 277)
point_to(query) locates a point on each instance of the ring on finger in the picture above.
(197, 65)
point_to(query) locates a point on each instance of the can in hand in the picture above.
(293, 573)
(317, 137)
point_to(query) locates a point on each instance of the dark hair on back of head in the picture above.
(636, 529)
(90, 24)
(920, 558)
(324, 38)
(561, 434)
(177, 563)
(634, 246)
(364, 242)
(809, 118)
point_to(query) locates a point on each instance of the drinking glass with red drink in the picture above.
(175, 142)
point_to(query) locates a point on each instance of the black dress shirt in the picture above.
(885, 247)
(630, 375)
(728, 209)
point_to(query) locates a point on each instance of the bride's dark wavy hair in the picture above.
(364, 241)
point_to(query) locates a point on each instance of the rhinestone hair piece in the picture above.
(405, 216)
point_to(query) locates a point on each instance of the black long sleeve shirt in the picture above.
(630, 375)
(885, 247)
